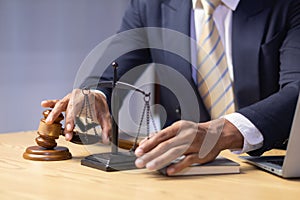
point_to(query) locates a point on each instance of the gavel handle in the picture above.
(126, 142)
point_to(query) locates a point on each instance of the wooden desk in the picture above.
(24, 179)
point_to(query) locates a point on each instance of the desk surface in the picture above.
(24, 179)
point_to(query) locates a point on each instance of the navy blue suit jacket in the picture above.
(265, 53)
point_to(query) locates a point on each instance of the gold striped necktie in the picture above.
(214, 82)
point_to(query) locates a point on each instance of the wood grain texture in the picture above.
(38, 153)
(25, 179)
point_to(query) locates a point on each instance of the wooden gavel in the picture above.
(48, 133)
(47, 146)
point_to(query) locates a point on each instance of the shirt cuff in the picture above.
(99, 92)
(253, 139)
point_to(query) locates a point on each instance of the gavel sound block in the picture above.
(47, 149)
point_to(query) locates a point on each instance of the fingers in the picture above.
(59, 106)
(105, 122)
(157, 159)
(186, 162)
(146, 139)
(180, 133)
(69, 121)
(72, 104)
(191, 159)
(103, 117)
(156, 139)
(166, 151)
(182, 138)
(166, 146)
(49, 103)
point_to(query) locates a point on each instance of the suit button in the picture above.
(178, 112)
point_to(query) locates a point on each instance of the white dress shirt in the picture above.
(222, 16)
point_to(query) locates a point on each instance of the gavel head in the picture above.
(48, 133)
(47, 149)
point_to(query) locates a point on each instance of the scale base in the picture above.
(110, 161)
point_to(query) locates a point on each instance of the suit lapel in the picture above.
(248, 25)
(176, 16)
(249, 21)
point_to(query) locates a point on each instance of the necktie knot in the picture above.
(209, 6)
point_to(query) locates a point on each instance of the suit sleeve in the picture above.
(273, 116)
(128, 48)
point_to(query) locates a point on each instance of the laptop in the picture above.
(287, 166)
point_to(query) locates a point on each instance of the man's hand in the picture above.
(71, 105)
(199, 142)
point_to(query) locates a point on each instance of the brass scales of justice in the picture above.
(47, 149)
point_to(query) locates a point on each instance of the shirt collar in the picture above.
(231, 4)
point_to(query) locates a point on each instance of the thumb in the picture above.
(106, 125)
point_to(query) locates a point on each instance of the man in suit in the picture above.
(261, 39)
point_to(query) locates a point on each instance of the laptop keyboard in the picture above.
(276, 162)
